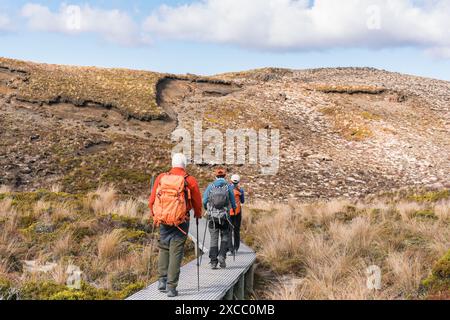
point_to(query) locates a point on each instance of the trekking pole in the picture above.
(152, 182)
(233, 244)
(204, 237)
(198, 261)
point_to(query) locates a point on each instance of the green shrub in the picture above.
(69, 295)
(433, 196)
(122, 279)
(425, 214)
(42, 290)
(439, 280)
(5, 287)
(134, 235)
(131, 289)
(47, 290)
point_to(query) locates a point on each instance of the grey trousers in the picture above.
(218, 232)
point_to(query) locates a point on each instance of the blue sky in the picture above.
(209, 37)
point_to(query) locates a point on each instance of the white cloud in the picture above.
(112, 25)
(297, 25)
(5, 23)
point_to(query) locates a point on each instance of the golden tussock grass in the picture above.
(63, 246)
(103, 199)
(322, 250)
(128, 208)
(109, 244)
(43, 233)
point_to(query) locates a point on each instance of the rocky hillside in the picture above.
(344, 132)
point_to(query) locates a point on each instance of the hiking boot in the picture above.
(162, 284)
(213, 264)
(222, 262)
(172, 293)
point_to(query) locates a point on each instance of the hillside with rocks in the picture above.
(346, 132)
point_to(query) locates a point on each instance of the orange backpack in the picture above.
(237, 197)
(172, 196)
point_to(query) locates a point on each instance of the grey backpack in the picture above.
(218, 201)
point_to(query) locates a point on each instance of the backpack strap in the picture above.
(187, 196)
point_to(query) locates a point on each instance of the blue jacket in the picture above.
(219, 183)
(241, 190)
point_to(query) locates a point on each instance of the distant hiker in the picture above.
(236, 214)
(218, 200)
(173, 196)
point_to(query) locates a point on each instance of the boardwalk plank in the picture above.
(214, 284)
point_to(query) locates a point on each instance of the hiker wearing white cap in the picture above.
(236, 214)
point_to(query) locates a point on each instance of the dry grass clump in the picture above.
(106, 201)
(63, 246)
(109, 244)
(103, 199)
(63, 212)
(5, 207)
(407, 269)
(128, 208)
(407, 209)
(323, 250)
(442, 210)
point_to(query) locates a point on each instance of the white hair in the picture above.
(179, 161)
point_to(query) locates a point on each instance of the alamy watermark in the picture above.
(373, 278)
(73, 272)
(374, 20)
(74, 277)
(73, 18)
(232, 147)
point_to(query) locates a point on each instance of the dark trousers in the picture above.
(218, 231)
(170, 256)
(235, 239)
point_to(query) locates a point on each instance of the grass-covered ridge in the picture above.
(131, 92)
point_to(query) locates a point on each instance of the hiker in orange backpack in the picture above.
(236, 214)
(173, 196)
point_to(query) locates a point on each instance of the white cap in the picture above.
(235, 178)
(179, 161)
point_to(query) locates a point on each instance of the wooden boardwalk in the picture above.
(230, 283)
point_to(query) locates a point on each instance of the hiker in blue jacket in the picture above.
(218, 200)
